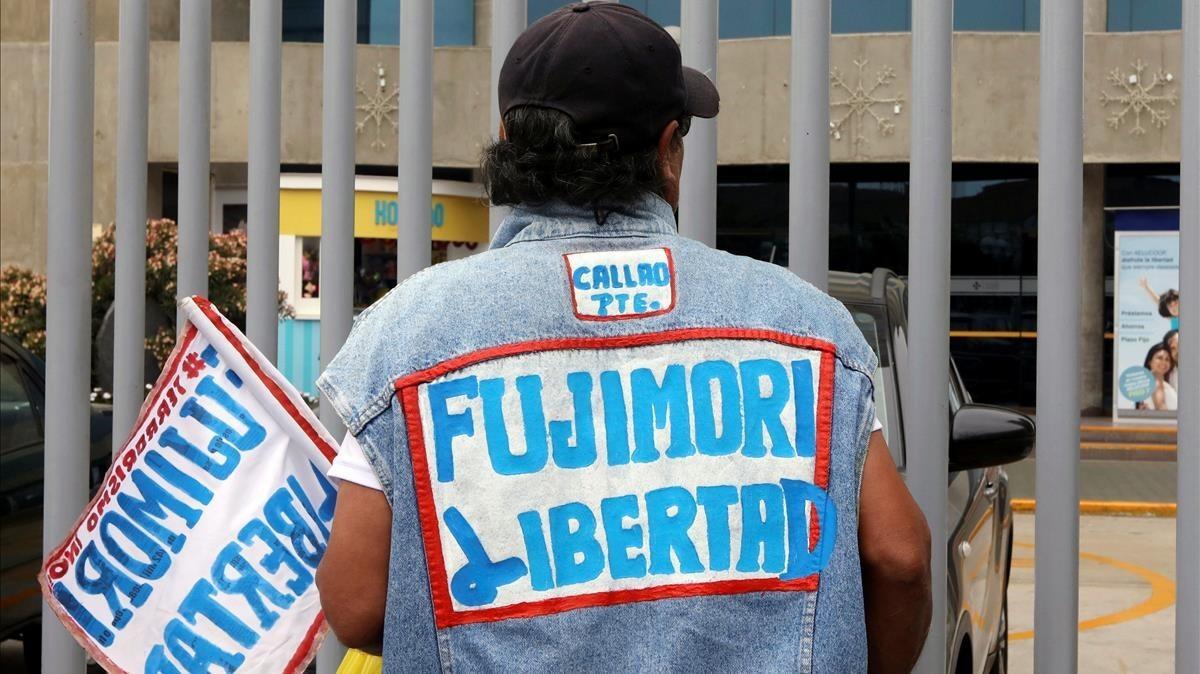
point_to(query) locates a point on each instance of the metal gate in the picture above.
(1059, 211)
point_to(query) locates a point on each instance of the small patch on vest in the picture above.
(616, 284)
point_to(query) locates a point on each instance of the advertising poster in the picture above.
(1146, 324)
(199, 550)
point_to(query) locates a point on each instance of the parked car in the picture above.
(22, 433)
(982, 439)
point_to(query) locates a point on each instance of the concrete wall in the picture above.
(29, 20)
(1092, 383)
(995, 88)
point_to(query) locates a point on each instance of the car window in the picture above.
(872, 322)
(19, 425)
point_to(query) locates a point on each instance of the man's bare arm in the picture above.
(893, 541)
(352, 577)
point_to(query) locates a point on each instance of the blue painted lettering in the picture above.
(577, 554)
(177, 478)
(110, 583)
(157, 561)
(447, 426)
(172, 439)
(583, 452)
(577, 278)
(716, 501)
(151, 508)
(281, 514)
(209, 388)
(82, 616)
(616, 419)
(765, 410)
(662, 274)
(201, 601)
(278, 556)
(540, 575)
(654, 406)
(193, 651)
(504, 461)
(620, 538)
(802, 561)
(604, 299)
(723, 374)
(670, 512)
(477, 583)
(249, 584)
(600, 279)
(762, 529)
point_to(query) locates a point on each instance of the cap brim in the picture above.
(703, 100)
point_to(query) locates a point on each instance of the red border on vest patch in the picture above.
(444, 613)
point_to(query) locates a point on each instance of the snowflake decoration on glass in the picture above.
(1137, 96)
(861, 99)
(378, 106)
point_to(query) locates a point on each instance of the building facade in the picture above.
(1131, 148)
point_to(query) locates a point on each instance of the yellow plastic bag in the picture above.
(357, 662)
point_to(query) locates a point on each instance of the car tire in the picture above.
(1000, 663)
(31, 648)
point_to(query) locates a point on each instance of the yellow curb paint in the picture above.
(1100, 428)
(1130, 446)
(1162, 593)
(1139, 508)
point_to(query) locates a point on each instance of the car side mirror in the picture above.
(986, 435)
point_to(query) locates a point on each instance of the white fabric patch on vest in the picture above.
(567, 473)
(616, 284)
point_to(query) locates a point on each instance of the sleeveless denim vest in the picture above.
(608, 447)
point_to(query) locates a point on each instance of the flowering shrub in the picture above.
(226, 278)
(23, 292)
(23, 307)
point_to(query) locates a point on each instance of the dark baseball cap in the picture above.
(613, 70)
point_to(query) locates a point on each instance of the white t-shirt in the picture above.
(351, 464)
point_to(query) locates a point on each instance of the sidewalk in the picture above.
(1124, 462)
(1107, 480)
(1126, 595)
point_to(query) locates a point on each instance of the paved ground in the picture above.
(1126, 595)
(1112, 480)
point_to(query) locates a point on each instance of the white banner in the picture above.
(200, 548)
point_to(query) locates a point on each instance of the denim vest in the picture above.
(608, 447)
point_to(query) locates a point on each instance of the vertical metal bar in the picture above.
(336, 271)
(195, 70)
(68, 296)
(508, 20)
(414, 187)
(698, 188)
(808, 173)
(133, 57)
(929, 296)
(262, 254)
(1060, 222)
(1187, 519)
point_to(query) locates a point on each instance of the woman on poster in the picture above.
(1161, 366)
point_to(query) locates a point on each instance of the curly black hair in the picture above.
(543, 159)
(1164, 302)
